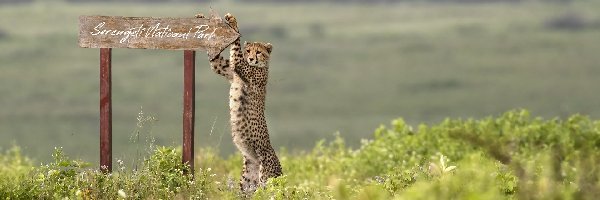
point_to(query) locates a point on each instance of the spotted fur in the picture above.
(247, 71)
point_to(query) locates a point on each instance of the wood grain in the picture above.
(211, 35)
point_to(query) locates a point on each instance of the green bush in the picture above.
(14, 168)
(508, 157)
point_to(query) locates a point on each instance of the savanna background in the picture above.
(339, 70)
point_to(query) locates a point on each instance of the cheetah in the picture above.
(247, 73)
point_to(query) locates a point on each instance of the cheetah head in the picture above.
(257, 53)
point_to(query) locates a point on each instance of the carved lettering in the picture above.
(212, 35)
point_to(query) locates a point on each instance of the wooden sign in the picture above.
(209, 34)
(188, 34)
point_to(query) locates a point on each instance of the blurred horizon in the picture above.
(336, 67)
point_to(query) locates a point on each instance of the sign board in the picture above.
(209, 34)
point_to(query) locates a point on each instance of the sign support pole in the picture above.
(189, 95)
(105, 110)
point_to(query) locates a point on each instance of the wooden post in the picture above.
(105, 110)
(189, 60)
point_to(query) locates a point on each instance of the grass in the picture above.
(338, 68)
(511, 156)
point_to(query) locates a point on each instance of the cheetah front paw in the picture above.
(232, 21)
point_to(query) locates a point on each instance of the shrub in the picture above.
(568, 21)
(3, 34)
(507, 157)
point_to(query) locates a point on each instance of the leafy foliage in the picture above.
(511, 156)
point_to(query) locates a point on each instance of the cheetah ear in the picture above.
(269, 47)
(245, 43)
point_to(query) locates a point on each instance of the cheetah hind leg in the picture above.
(270, 167)
(250, 175)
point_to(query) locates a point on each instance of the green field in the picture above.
(335, 67)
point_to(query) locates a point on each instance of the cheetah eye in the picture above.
(258, 52)
(247, 50)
